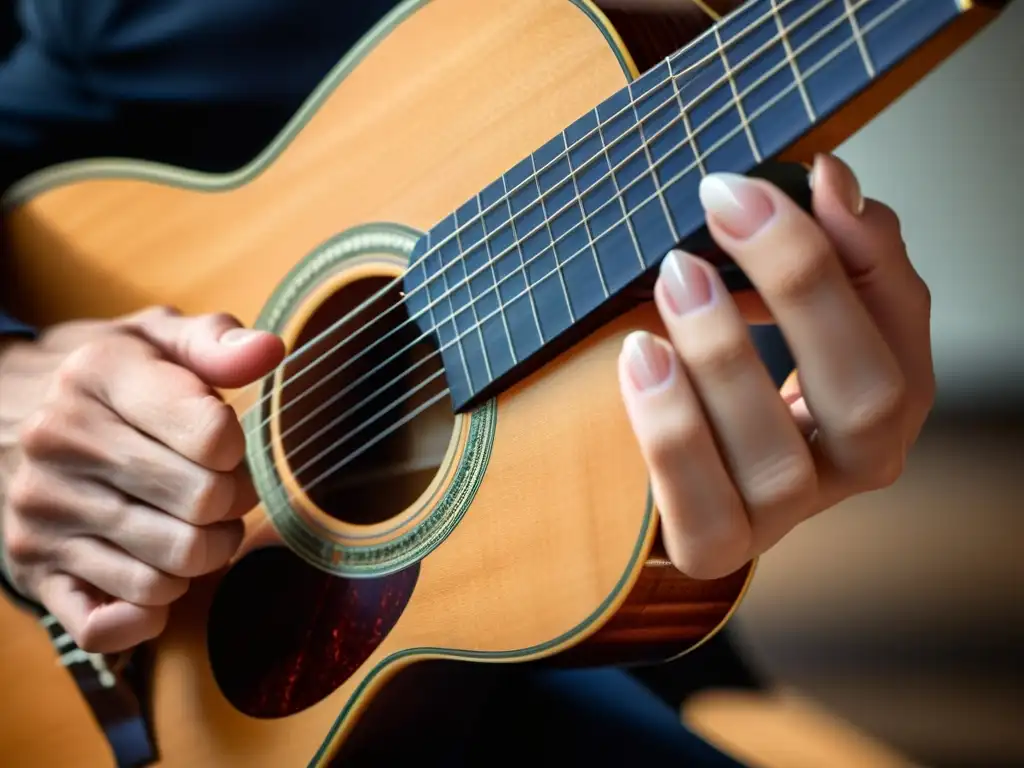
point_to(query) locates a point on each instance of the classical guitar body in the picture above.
(521, 528)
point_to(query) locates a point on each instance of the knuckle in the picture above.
(27, 491)
(147, 586)
(716, 551)
(86, 360)
(889, 220)
(188, 553)
(880, 409)
(87, 638)
(114, 512)
(786, 483)
(207, 326)
(213, 494)
(213, 433)
(22, 545)
(721, 357)
(159, 312)
(887, 471)
(675, 438)
(218, 320)
(879, 468)
(809, 267)
(45, 431)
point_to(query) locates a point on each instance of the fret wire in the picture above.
(691, 138)
(551, 236)
(585, 219)
(519, 248)
(472, 304)
(494, 278)
(868, 64)
(650, 164)
(433, 318)
(784, 35)
(620, 196)
(736, 95)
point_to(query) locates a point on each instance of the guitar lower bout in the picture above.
(396, 520)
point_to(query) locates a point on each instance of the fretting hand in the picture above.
(123, 473)
(734, 465)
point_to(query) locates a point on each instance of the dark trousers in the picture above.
(461, 715)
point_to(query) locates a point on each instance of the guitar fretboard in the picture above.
(558, 236)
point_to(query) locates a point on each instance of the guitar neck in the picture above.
(546, 250)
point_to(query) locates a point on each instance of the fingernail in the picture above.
(854, 197)
(236, 337)
(687, 286)
(647, 361)
(850, 193)
(738, 204)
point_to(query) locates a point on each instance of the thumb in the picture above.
(216, 347)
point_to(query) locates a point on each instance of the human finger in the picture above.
(767, 457)
(706, 530)
(850, 379)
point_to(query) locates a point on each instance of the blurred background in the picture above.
(903, 611)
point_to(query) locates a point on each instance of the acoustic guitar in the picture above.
(453, 235)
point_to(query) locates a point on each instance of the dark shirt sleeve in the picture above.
(45, 116)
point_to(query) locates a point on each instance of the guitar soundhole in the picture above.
(284, 635)
(360, 435)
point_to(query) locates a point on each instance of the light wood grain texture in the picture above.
(451, 97)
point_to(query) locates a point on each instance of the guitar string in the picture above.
(533, 178)
(479, 324)
(490, 262)
(351, 456)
